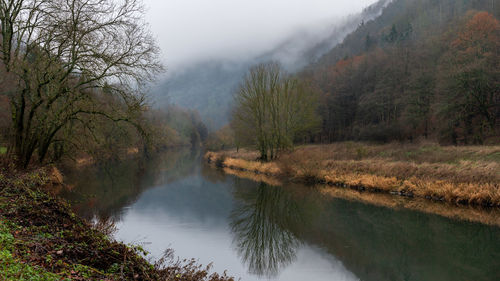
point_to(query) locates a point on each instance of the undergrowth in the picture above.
(11, 268)
(42, 239)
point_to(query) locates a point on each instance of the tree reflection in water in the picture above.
(104, 189)
(263, 227)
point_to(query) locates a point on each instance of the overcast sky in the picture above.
(193, 30)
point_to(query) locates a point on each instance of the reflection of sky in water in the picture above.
(174, 202)
(192, 217)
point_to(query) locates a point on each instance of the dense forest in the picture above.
(423, 69)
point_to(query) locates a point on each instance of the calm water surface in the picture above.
(262, 232)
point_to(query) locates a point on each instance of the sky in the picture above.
(189, 31)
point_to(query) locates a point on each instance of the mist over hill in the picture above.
(208, 86)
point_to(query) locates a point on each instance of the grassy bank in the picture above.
(42, 239)
(460, 175)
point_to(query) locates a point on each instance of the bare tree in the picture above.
(272, 109)
(66, 54)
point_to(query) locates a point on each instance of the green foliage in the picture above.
(42, 239)
(13, 269)
(3, 150)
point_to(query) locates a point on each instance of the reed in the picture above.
(460, 175)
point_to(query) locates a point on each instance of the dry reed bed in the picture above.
(270, 180)
(459, 175)
(489, 217)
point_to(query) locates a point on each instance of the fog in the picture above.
(208, 46)
(194, 30)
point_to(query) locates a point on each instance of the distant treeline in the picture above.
(424, 68)
(176, 126)
(147, 130)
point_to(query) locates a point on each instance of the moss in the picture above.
(42, 239)
(13, 268)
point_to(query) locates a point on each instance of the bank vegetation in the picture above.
(42, 239)
(460, 175)
(73, 81)
(407, 104)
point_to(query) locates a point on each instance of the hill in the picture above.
(208, 86)
(423, 68)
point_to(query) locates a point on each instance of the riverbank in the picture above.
(458, 175)
(42, 239)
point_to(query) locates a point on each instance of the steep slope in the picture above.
(424, 68)
(208, 86)
(426, 18)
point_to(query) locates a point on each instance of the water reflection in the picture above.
(104, 190)
(279, 233)
(263, 227)
(383, 244)
(374, 243)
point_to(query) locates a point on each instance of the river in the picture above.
(256, 231)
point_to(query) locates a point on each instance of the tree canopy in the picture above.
(272, 110)
(423, 69)
(70, 63)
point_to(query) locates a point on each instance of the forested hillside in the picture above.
(206, 87)
(209, 86)
(424, 68)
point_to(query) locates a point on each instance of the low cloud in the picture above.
(189, 31)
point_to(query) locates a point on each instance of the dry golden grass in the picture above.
(267, 168)
(253, 166)
(254, 177)
(464, 175)
(245, 154)
(490, 217)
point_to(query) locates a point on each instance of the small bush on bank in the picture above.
(219, 162)
(301, 165)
